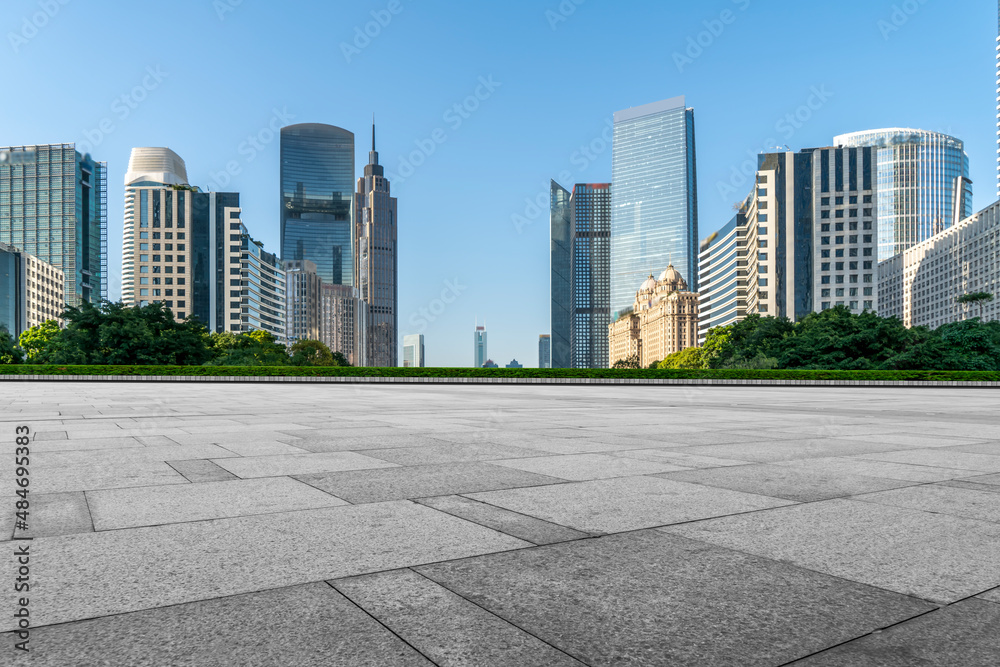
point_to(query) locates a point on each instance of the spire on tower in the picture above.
(373, 133)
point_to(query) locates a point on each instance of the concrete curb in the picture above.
(515, 381)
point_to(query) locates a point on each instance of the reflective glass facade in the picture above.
(720, 301)
(654, 214)
(55, 208)
(317, 192)
(560, 274)
(591, 293)
(922, 181)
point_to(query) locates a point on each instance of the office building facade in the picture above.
(591, 275)
(304, 298)
(561, 275)
(923, 184)
(921, 286)
(376, 262)
(263, 291)
(413, 351)
(343, 322)
(31, 291)
(317, 197)
(545, 351)
(53, 206)
(654, 212)
(722, 279)
(155, 168)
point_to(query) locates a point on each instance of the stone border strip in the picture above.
(538, 381)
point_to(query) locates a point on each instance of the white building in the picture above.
(413, 351)
(921, 286)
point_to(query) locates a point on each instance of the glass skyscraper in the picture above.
(53, 205)
(654, 212)
(317, 193)
(923, 184)
(591, 267)
(479, 347)
(561, 274)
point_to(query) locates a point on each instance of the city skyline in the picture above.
(478, 143)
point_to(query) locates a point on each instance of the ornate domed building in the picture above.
(663, 320)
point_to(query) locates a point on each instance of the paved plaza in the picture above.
(297, 524)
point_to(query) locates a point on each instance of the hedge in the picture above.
(565, 373)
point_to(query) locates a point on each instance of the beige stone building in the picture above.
(663, 320)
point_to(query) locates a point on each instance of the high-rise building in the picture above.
(545, 351)
(147, 168)
(192, 253)
(663, 320)
(53, 206)
(31, 291)
(317, 186)
(376, 261)
(922, 285)
(561, 274)
(479, 347)
(591, 286)
(923, 184)
(998, 98)
(343, 321)
(305, 294)
(654, 212)
(413, 351)
(722, 295)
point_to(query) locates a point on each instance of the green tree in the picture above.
(339, 359)
(976, 298)
(734, 345)
(9, 352)
(691, 357)
(254, 348)
(38, 340)
(836, 339)
(310, 353)
(632, 361)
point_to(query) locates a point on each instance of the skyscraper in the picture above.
(343, 321)
(923, 184)
(479, 347)
(654, 212)
(53, 205)
(591, 204)
(545, 351)
(31, 291)
(376, 261)
(147, 168)
(722, 299)
(560, 274)
(413, 351)
(998, 98)
(305, 294)
(317, 182)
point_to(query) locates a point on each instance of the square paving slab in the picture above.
(582, 467)
(651, 599)
(968, 503)
(299, 464)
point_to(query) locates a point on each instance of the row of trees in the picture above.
(837, 339)
(150, 335)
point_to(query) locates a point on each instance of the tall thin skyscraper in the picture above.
(317, 185)
(654, 214)
(479, 347)
(998, 98)
(147, 168)
(591, 205)
(923, 184)
(376, 261)
(561, 274)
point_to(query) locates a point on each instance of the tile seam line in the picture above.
(481, 525)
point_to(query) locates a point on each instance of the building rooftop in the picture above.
(203, 523)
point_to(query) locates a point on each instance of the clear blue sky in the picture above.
(227, 66)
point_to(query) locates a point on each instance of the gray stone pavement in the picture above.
(298, 524)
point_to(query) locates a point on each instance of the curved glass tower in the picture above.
(317, 192)
(923, 184)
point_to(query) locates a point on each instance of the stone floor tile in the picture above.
(451, 453)
(299, 464)
(516, 525)
(790, 450)
(933, 556)
(942, 458)
(87, 478)
(625, 503)
(200, 470)
(679, 458)
(445, 627)
(640, 599)
(52, 514)
(582, 467)
(870, 468)
(370, 486)
(967, 503)
(137, 456)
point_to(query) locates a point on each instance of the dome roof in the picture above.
(649, 285)
(671, 275)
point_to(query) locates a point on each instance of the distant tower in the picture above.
(998, 98)
(376, 261)
(479, 349)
